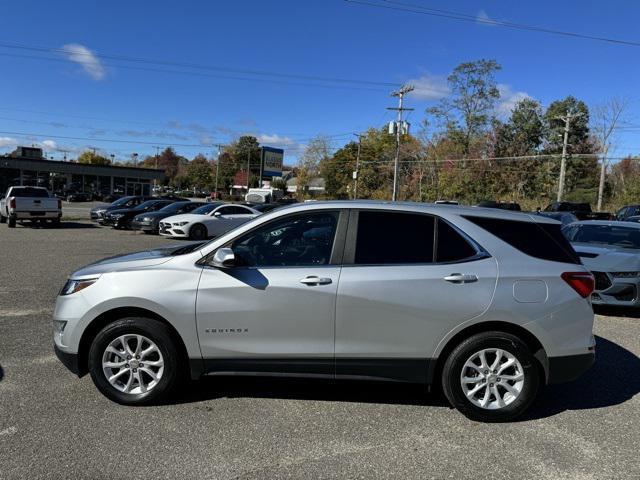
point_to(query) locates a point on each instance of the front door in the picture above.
(274, 311)
(402, 290)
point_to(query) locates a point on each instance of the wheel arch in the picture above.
(113, 315)
(435, 367)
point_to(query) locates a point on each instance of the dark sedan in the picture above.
(149, 222)
(122, 218)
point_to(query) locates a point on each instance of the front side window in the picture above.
(394, 238)
(293, 241)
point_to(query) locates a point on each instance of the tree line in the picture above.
(468, 148)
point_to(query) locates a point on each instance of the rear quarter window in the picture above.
(540, 240)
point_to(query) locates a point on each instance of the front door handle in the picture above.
(313, 280)
(461, 278)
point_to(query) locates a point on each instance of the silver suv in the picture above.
(487, 304)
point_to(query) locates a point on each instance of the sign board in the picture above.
(272, 159)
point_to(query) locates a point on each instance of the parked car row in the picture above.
(176, 217)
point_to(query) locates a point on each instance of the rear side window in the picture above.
(539, 240)
(392, 238)
(452, 246)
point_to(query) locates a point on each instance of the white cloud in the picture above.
(49, 145)
(275, 140)
(509, 99)
(429, 87)
(483, 18)
(85, 58)
(8, 142)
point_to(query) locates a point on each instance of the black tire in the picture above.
(198, 232)
(55, 222)
(12, 222)
(453, 368)
(149, 232)
(3, 219)
(155, 331)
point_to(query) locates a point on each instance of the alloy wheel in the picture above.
(492, 378)
(132, 364)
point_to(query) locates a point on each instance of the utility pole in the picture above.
(399, 127)
(603, 170)
(157, 155)
(217, 170)
(248, 167)
(563, 164)
(357, 172)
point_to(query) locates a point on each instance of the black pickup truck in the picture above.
(582, 211)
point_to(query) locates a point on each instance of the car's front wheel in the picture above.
(135, 361)
(491, 377)
(198, 232)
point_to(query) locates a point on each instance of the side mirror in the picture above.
(217, 214)
(223, 258)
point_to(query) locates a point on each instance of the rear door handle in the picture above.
(313, 280)
(461, 278)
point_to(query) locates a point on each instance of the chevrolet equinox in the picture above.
(488, 305)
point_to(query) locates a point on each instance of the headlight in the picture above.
(117, 215)
(147, 219)
(73, 286)
(625, 274)
(179, 224)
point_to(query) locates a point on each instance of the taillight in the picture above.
(12, 203)
(581, 282)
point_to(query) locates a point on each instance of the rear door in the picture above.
(407, 280)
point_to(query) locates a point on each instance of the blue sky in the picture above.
(72, 94)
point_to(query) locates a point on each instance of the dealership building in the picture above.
(28, 166)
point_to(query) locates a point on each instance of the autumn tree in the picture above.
(92, 158)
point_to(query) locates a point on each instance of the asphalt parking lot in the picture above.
(54, 425)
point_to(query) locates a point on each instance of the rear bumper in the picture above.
(53, 214)
(69, 360)
(569, 368)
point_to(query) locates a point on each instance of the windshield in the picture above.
(608, 235)
(205, 209)
(173, 207)
(121, 201)
(145, 205)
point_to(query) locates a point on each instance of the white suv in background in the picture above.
(488, 304)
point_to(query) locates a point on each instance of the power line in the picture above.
(196, 66)
(420, 9)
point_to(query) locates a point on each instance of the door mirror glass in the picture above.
(217, 214)
(223, 258)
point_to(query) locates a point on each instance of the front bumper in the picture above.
(144, 226)
(169, 230)
(569, 368)
(69, 360)
(620, 292)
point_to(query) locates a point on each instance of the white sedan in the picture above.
(210, 220)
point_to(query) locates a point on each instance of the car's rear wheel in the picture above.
(491, 377)
(135, 361)
(12, 222)
(3, 219)
(198, 232)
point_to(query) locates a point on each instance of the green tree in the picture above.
(168, 160)
(89, 157)
(467, 112)
(199, 172)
